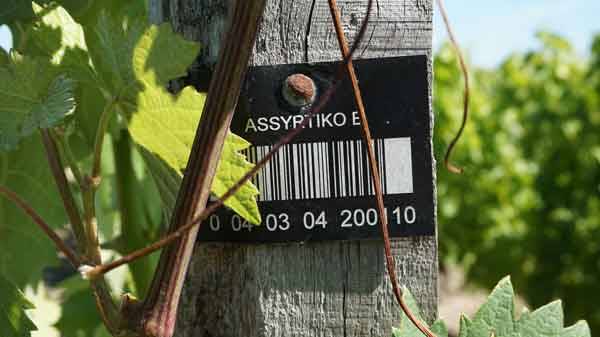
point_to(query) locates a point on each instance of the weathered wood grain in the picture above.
(321, 289)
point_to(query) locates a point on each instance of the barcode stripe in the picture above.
(370, 180)
(313, 177)
(335, 169)
(338, 190)
(259, 176)
(380, 162)
(322, 171)
(303, 183)
(318, 172)
(347, 168)
(352, 169)
(358, 169)
(355, 167)
(378, 152)
(276, 175)
(283, 177)
(315, 161)
(342, 163)
(266, 178)
(382, 167)
(262, 173)
(301, 186)
(311, 170)
(291, 170)
(326, 160)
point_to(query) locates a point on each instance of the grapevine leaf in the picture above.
(86, 12)
(407, 328)
(465, 326)
(497, 313)
(161, 123)
(578, 329)
(31, 97)
(496, 317)
(79, 314)
(15, 10)
(13, 320)
(23, 244)
(439, 328)
(3, 57)
(77, 7)
(232, 167)
(167, 180)
(58, 37)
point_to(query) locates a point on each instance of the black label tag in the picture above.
(318, 187)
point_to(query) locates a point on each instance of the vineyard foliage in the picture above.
(497, 317)
(528, 203)
(82, 69)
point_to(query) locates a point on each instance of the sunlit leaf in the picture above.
(13, 320)
(22, 243)
(135, 64)
(32, 96)
(496, 317)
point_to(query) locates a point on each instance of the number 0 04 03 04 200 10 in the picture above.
(350, 218)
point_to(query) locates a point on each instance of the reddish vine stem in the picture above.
(465, 71)
(57, 169)
(58, 242)
(159, 309)
(210, 209)
(104, 302)
(366, 133)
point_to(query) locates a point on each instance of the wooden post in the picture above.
(313, 289)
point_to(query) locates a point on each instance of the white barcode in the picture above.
(333, 169)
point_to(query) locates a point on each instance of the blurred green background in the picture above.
(528, 204)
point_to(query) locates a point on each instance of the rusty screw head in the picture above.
(299, 90)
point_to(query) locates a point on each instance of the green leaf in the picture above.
(135, 191)
(22, 243)
(497, 313)
(13, 320)
(79, 314)
(496, 316)
(439, 328)
(579, 329)
(31, 97)
(87, 12)
(77, 7)
(3, 57)
(135, 63)
(58, 37)
(232, 167)
(465, 325)
(15, 10)
(407, 328)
